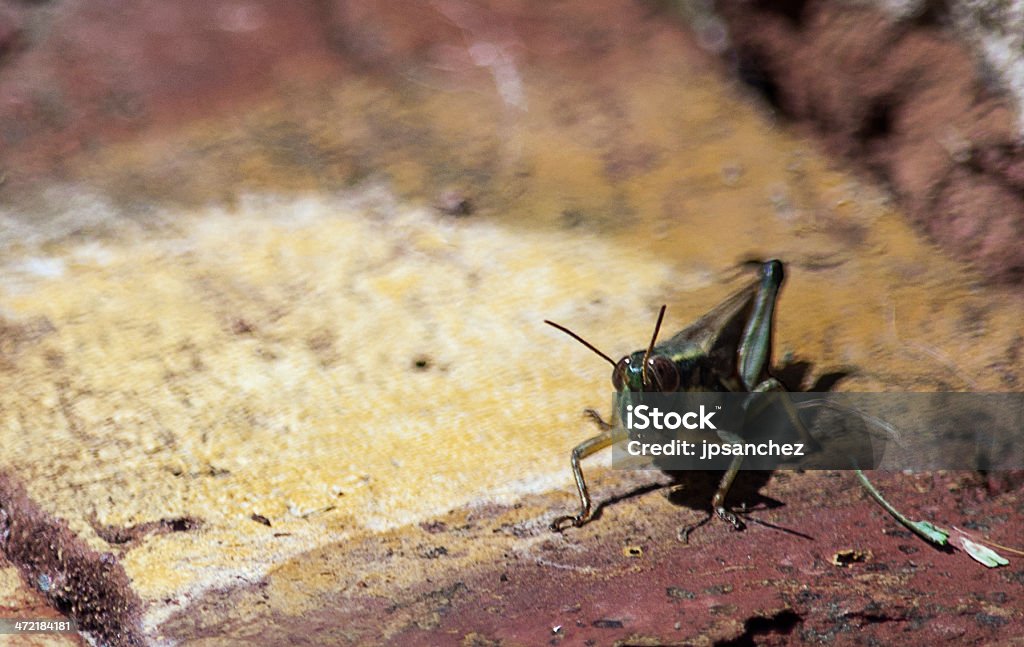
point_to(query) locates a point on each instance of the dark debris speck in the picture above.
(990, 620)
(435, 552)
(678, 593)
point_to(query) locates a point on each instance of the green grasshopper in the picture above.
(728, 349)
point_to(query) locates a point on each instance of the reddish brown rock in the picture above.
(908, 103)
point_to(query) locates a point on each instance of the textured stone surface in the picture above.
(994, 28)
(906, 100)
(284, 358)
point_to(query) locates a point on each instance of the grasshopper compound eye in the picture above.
(664, 377)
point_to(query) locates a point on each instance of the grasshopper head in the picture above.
(641, 371)
(661, 375)
(645, 371)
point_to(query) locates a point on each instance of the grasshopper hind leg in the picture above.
(718, 503)
(608, 436)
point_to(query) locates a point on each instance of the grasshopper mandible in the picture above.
(728, 349)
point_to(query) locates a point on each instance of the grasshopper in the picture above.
(728, 349)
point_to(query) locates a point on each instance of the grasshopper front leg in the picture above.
(609, 436)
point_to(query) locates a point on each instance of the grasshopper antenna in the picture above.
(582, 341)
(650, 347)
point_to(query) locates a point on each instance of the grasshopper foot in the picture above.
(684, 533)
(562, 523)
(724, 514)
(595, 417)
